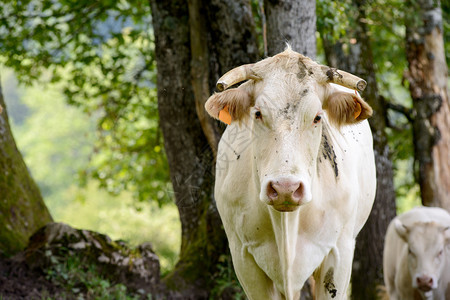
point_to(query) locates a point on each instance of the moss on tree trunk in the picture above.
(22, 209)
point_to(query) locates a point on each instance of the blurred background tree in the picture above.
(427, 77)
(22, 208)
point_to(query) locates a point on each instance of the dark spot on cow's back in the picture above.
(328, 151)
(328, 282)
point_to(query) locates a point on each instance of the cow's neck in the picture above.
(285, 225)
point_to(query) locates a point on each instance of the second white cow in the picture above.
(416, 257)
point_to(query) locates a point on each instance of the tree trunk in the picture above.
(293, 22)
(368, 261)
(195, 43)
(427, 76)
(22, 209)
(222, 37)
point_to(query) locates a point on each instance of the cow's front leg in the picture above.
(333, 276)
(256, 284)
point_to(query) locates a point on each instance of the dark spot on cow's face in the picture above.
(289, 111)
(328, 282)
(328, 152)
(302, 70)
(301, 74)
(285, 110)
(304, 92)
(332, 74)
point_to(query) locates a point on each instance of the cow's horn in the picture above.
(234, 76)
(343, 78)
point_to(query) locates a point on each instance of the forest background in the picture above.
(79, 82)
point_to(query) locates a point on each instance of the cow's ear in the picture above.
(230, 105)
(346, 108)
(402, 229)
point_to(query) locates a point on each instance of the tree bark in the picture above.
(427, 76)
(195, 43)
(187, 149)
(22, 209)
(222, 37)
(292, 22)
(368, 260)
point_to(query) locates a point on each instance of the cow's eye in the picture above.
(317, 119)
(258, 115)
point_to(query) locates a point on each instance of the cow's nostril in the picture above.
(299, 192)
(271, 191)
(425, 283)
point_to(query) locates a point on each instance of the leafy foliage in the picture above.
(226, 282)
(333, 18)
(56, 140)
(101, 52)
(445, 6)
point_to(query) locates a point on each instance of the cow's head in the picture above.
(428, 245)
(286, 97)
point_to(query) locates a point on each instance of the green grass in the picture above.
(85, 282)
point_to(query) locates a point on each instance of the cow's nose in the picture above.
(285, 195)
(424, 283)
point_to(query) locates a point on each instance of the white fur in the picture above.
(401, 269)
(274, 252)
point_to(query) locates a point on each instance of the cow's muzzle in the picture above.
(286, 194)
(425, 283)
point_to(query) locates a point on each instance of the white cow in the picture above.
(416, 258)
(295, 174)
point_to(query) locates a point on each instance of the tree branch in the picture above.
(407, 112)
